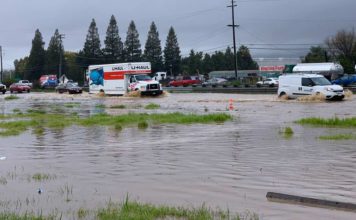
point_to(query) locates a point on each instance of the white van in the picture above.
(295, 85)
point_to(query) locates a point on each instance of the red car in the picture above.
(186, 81)
(18, 87)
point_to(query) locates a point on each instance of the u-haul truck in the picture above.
(119, 78)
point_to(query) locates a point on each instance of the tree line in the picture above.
(46, 61)
(339, 48)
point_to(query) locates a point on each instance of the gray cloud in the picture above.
(200, 24)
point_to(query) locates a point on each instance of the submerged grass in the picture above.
(11, 97)
(132, 210)
(40, 177)
(142, 125)
(118, 106)
(329, 122)
(152, 106)
(338, 137)
(287, 132)
(72, 105)
(37, 120)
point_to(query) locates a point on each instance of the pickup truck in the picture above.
(25, 82)
(186, 81)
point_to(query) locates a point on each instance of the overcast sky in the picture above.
(199, 24)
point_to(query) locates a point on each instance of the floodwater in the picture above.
(231, 165)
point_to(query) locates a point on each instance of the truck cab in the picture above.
(145, 84)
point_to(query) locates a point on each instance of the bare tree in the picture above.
(342, 47)
(343, 43)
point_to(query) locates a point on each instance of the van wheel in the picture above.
(283, 95)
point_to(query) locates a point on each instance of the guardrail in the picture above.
(253, 90)
(238, 90)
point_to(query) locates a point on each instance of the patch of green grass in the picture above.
(82, 213)
(37, 111)
(287, 132)
(61, 121)
(338, 137)
(72, 105)
(329, 122)
(118, 106)
(131, 210)
(152, 106)
(118, 127)
(142, 125)
(100, 106)
(13, 216)
(11, 97)
(40, 177)
(13, 128)
(16, 110)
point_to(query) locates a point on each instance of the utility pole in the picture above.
(1, 72)
(234, 26)
(61, 36)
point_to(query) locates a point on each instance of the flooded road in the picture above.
(231, 165)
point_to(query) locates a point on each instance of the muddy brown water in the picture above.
(231, 165)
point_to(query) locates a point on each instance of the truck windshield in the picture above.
(142, 77)
(321, 81)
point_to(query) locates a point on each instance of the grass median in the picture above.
(16, 124)
(329, 122)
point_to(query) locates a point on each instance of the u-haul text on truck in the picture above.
(119, 78)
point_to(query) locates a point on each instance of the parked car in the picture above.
(296, 85)
(18, 87)
(2, 88)
(345, 80)
(186, 81)
(214, 82)
(71, 88)
(26, 82)
(271, 82)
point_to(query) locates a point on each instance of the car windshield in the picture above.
(71, 85)
(142, 77)
(321, 81)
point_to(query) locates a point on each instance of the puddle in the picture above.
(231, 165)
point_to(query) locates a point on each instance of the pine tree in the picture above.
(91, 53)
(113, 44)
(133, 52)
(229, 59)
(54, 50)
(36, 61)
(153, 49)
(207, 64)
(244, 59)
(172, 56)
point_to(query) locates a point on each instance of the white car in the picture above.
(214, 82)
(271, 82)
(26, 82)
(2, 88)
(296, 85)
